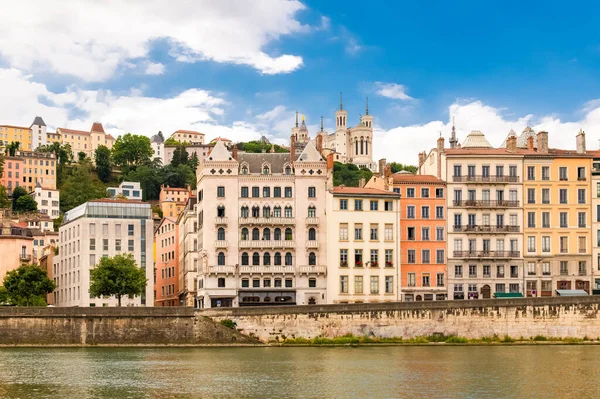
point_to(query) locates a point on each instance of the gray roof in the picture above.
(476, 139)
(156, 139)
(522, 138)
(255, 161)
(38, 121)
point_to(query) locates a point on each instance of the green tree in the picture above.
(193, 162)
(25, 203)
(81, 156)
(179, 176)
(17, 193)
(349, 174)
(118, 276)
(80, 186)
(171, 141)
(28, 285)
(4, 201)
(258, 146)
(150, 179)
(12, 148)
(180, 156)
(1, 166)
(130, 150)
(397, 167)
(103, 163)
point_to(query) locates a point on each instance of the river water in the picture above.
(365, 372)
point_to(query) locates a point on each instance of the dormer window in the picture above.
(265, 170)
(288, 170)
(244, 170)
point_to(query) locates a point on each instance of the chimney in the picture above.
(382, 164)
(440, 145)
(530, 143)
(234, 151)
(361, 182)
(421, 159)
(330, 161)
(580, 142)
(293, 149)
(542, 142)
(511, 143)
(320, 143)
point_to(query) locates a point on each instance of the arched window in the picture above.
(312, 259)
(245, 259)
(288, 170)
(244, 212)
(356, 150)
(277, 212)
(221, 259)
(266, 211)
(267, 234)
(288, 234)
(244, 170)
(312, 211)
(312, 234)
(366, 147)
(221, 211)
(244, 234)
(277, 259)
(221, 234)
(255, 211)
(288, 259)
(267, 259)
(255, 234)
(255, 259)
(362, 143)
(288, 212)
(266, 170)
(312, 192)
(277, 234)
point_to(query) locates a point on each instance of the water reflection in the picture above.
(371, 372)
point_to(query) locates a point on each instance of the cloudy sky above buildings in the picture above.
(240, 69)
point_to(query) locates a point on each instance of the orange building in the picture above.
(166, 266)
(423, 236)
(173, 200)
(13, 172)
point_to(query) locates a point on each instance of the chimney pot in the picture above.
(580, 142)
(530, 143)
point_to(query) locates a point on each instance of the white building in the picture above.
(188, 253)
(102, 227)
(362, 243)
(131, 190)
(48, 201)
(262, 228)
(157, 143)
(39, 135)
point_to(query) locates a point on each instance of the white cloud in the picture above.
(92, 39)
(392, 90)
(154, 68)
(272, 114)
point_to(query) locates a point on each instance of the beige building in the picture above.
(188, 136)
(262, 228)
(84, 141)
(363, 252)
(102, 227)
(188, 253)
(16, 247)
(38, 167)
(595, 238)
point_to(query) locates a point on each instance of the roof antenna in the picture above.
(296, 118)
(367, 105)
(321, 122)
(341, 109)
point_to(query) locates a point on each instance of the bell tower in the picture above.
(341, 117)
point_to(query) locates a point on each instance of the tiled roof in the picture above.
(189, 131)
(97, 128)
(255, 161)
(72, 131)
(175, 189)
(15, 127)
(410, 178)
(342, 190)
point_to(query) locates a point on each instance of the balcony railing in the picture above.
(312, 269)
(312, 221)
(270, 220)
(25, 258)
(472, 228)
(221, 244)
(486, 203)
(486, 254)
(312, 244)
(267, 269)
(221, 269)
(267, 244)
(485, 179)
(222, 220)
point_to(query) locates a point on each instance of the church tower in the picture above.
(453, 140)
(340, 117)
(302, 136)
(366, 119)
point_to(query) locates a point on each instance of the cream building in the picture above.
(84, 141)
(102, 227)
(188, 254)
(157, 143)
(262, 228)
(188, 136)
(363, 251)
(595, 239)
(48, 201)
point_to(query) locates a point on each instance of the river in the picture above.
(365, 372)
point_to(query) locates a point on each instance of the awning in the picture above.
(508, 295)
(571, 293)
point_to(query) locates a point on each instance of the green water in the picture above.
(366, 372)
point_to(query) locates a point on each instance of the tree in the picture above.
(397, 167)
(117, 276)
(193, 162)
(80, 186)
(171, 141)
(131, 150)
(180, 156)
(349, 174)
(28, 285)
(18, 192)
(4, 201)
(25, 203)
(150, 179)
(1, 166)
(179, 176)
(259, 146)
(81, 156)
(103, 163)
(12, 148)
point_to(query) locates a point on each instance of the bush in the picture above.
(540, 338)
(229, 323)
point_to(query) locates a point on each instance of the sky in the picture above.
(240, 69)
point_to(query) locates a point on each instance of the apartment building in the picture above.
(362, 259)
(595, 194)
(172, 200)
(188, 136)
(38, 167)
(12, 176)
(48, 201)
(85, 141)
(166, 265)
(98, 228)
(188, 253)
(129, 189)
(262, 228)
(16, 247)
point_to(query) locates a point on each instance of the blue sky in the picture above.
(240, 68)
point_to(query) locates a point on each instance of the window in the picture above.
(562, 173)
(531, 195)
(424, 212)
(343, 204)
(531, 173)
(105, 244)
(581, 173)
(412, 255)
(472, 271)
(425, 256)
(358, 232)
(92, 244)
(545, 244)
(545, 195)
(439, 256)
(221, 282)
(221, 234)
(564, 245)
(389, 284)
(581, 196)
(255, 259)
(130, 230)
(439, 233)
(514, 271)
(358, 257)
(288, 259)
(221, 191)
(267, 259)
(312, 234)
(412, 279)
(582, 268)
(256, 283)
(245, 283)
(439, 193)
(374, 205)
(424, 193)
(343, 284)
(221, 259)
(312, 212)
(312, 192)
(117, 244)
(389, 257)
(358, 205)
(343, 257)
(410, 192)
(564, 219)
(439, 212)
(546, 268)
(277, 192)
(289, 283)
(531, 219)
(312, 259)
(266, 192)
(288, 234)
(389, 232)
(287, 211)
(581, 216)
(564, 268)
(277, 234)
(130, 245)
(411, 235)
(582, 244)
(457, 270)
(388, 206)
(531, 244)
(288, 192)
(545, 173)
(255, 192)
(410, 212)
(424, 233)
(344, 231)
(265, 169)
(245, 259)
(563, 196)
(374, 236)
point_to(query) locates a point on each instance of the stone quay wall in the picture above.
(553, 317)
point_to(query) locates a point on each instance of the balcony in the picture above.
(487, 254)
(267, 244)
(25, 258)
(472, 228)
(312, 269)
(312, 244)
(312, 221)
(485, 179)
(221, 269)
(261, 221)
(220, 244)
(486, 204)
(267, 269)
(221, 221)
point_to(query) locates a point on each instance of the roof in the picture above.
(571, 293)
(38, 121)
(220, 153)
(97, 127)
(118, 201)
(476, 139)
(16, 127)
(310, 153)
(220, 139)
(188, 131)
(255, 161)
(108, 136)
(411, 178)
(157, 139)
(72, 131)
(174, 188)
(343, 190)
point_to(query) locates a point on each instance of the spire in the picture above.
(453, 140)
(367, 105)
(321, 122)
(341, 108)
(296, 118)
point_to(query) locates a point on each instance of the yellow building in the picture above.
(10, 133)
(38, 167)
(557, 216)
(53, 138)
(87, 142)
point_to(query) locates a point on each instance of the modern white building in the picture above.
(98, 228)
(363, 263)
(261, 228)
(131, 190)
(48, 201)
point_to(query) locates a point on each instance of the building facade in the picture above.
(129, 189)
(166, 286)
(362, 259)
(13, 173)
(102, 227)
(262, 228)
(188, 136)
(173, 199)
(85, 141)
(595, 193)
(16, 247)
(48, 201)
(188, 254)
(38, 167)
